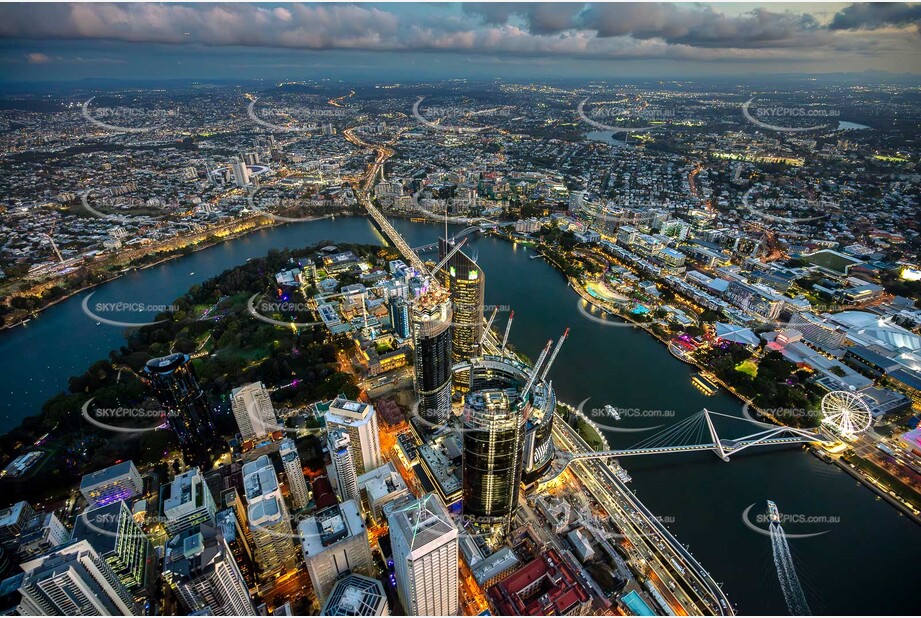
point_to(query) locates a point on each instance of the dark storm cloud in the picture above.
(868, 16)
(702, 26)
(687, 24)
(606, 30)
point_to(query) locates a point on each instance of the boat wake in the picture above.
(786, 573)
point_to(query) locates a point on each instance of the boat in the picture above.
(773, 513)
(704, 384)
(611, 412)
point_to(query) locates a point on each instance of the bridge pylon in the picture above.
(717, 444)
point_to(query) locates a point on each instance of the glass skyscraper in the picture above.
(465, 281)
(431, 324)
(494, 429)
(173, 381)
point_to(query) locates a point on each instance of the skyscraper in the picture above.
(240, 172)
(491, 373)
(173, 381)
(269, 520)
(237, 538)
(431, 324)
(399, 317)
(340, 452)
(294, 471)
(74, 580)
(186, 502)
(335, 542)
(112, 531)
(43, 533)
(253, 410)
(465, 281)
(200, 568)
(13, 521)
(424, 544)
(119, 482)
(494, 428)
(359, 420)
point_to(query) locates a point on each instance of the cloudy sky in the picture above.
(427, 40)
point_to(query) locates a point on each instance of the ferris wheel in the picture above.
(845, 413)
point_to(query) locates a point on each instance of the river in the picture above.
(702, 498)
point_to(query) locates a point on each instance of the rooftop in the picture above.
(356, 595)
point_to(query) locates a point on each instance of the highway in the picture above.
(651, 544)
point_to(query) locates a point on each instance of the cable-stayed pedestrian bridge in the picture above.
(698, 433)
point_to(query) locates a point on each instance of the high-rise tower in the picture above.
(187, 502)
(173, 381)
(465, 281)
(359, 421)
(494, 429)
(253, 410)
(112, 531)
(399, 317)
(294, 471)
(74, 580)
(431, 326)
(269, 520)
(199, 566)
(425, 558)
(340, 452)
(335, 542)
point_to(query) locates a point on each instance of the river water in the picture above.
(863, 562)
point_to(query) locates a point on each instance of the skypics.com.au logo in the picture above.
(789, 118)
(263, 307)
(625, 118)
(124, 208)
(607, 417)
(770, 524)
(293, 118)
(125, 419)
(126, 118)
(605, 317)
(791, 210)
(98, 311)
(446, 117)
(269, 205)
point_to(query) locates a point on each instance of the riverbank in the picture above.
(586, 428)
(173, 254)
(875, 488)
(860, 474)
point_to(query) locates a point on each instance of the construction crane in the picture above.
(447, 257)
(536, 369)
(508, 327)
(556, 350)
(489, 324)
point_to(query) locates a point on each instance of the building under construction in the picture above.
(507, 426)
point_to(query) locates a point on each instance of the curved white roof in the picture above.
(868, 326)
